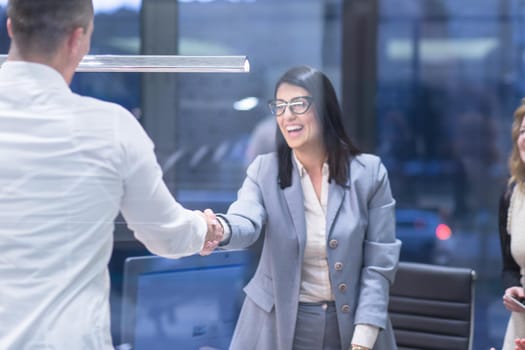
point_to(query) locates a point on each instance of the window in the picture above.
(449, 77)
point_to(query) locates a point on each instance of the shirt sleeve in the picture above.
(365, 335)
(164, 226)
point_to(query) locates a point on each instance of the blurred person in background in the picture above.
(329, 253)
(262, 139)
(69, 165)
(512, 233)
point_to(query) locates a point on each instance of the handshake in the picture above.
(215, 233)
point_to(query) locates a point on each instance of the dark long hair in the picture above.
(337, 143)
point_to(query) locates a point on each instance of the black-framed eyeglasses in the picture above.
(297, 105)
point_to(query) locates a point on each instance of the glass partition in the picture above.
(449, 77)
(217, 114)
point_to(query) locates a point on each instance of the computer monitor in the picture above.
(191, 303)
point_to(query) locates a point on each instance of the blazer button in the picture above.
(333, 243)
(338, 266)
(345, 308)
(342, 287)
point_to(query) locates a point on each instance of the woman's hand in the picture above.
(358, 347)
(511, 305)
(520, 344)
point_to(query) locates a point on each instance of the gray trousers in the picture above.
(316, 327)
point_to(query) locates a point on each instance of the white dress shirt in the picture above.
(69, 164)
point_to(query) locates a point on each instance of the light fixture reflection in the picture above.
(246, 104)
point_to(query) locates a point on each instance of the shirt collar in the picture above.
(302, 170)
(23, 70)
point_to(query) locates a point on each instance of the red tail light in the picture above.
(443, 232)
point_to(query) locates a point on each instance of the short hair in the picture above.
(337, 143)
(40, 26)
(516, 164)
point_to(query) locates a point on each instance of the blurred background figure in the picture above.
(512, 233)
(262, 139)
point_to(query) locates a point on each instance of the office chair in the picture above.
(432, 307)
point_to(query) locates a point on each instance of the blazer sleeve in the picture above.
(247, 215)
(381, 250)
(511, 270)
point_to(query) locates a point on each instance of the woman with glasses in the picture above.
(329, 253)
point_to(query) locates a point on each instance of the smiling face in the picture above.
(301, 131)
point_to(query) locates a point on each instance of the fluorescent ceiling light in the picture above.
(111, 5)
(439, 50)
(161, 63)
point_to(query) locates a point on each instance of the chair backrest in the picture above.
(432, 307)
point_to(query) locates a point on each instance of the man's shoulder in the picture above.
(88, 102)
(98, 110)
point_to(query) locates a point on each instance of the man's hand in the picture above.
(214, 235)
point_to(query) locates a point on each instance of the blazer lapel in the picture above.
(336, 194)
(295, 201)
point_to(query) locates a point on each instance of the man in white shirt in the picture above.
(69, 165)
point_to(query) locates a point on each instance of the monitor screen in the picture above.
(188, 303)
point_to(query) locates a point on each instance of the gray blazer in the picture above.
(362, 252)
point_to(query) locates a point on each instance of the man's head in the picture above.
(41, 26)
(42, 30)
